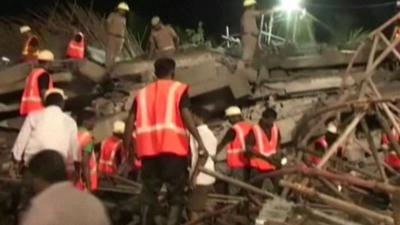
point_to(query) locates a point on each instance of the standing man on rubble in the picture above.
(160, 118)
(163, 39)
(116, 31)
(30, 48)
(263, 140)
(234, 139)
(36, 84)
(249, 30)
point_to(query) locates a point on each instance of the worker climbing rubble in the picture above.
(160, 117)
(30, 48)
(77, 47)
(234, 141)
(36, 84)
(116, 32)
(323, 143)
(164, 41)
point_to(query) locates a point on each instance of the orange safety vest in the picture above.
(265, 147)
(76, 50)
(84, 138)
(391, 159)
(324, 144)
(159, 125)
(109, 148)
(27, 47)
(235, 150)
(31, 99)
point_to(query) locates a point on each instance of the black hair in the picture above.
(269, 113)
(54, 99)
(164, 67)
(78, 38)
(201, 113)
(48, 165)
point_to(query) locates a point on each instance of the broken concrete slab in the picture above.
(91, 70)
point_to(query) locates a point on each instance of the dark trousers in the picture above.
(164, 169)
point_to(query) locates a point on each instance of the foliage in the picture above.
(357, 36)
(196, 37)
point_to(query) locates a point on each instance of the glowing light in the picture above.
(289, 5)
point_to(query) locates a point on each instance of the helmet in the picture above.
(331, 128)
(247, 3)
(119, 127)
(55, 91)
(46, 55)
(123, 6)
(233, 111)
(155, 21)
(24, 29)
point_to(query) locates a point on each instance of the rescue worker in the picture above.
(234, 139)
(88, 177)
(160, 118)
(30, 48)
(36, 84)
(111, 150)
(116, 29)
(249, 30)
(76, 47)
(264, 139)
(163, 39)
(391, 158)
(323, 143)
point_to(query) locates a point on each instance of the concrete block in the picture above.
(14, 74)
(91, 70)
(239, 85)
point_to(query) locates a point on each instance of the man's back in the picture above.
(62, 204)
(164, 37)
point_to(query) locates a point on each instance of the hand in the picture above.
(202, 151)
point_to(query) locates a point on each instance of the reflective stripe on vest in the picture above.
(265, 147)
(76, 50)
(109, 148)
(235, 150)
(31, 100)
(159, 127)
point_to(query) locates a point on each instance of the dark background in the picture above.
(337, 15)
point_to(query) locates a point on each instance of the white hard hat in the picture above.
(123, 6)
(233, 111)
(46, 55)
(331, 128)
(119, 127)
(155, 21)
(55, 90)
(247, 3)
(24, 29)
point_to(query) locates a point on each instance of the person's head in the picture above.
(156, 23)
(119, 128)
(46, 58)
(249, 4)
(234, 114)
(268, 117)
(54, 97)
(78, 37)
(200, 115)
(331, 132)
(46, 168)
(164, 68)
(123, 8)
(25, 30)
(87, 119)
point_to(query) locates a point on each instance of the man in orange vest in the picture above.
(76, 47)
(111, 150)
(162, 119)
(234, 139)
(391, 158)
(88, 178)
(30, 48)
(323, 143)
(36, 84)
(264, 140)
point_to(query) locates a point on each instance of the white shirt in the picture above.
(46, 129)
(210, 142)
(63, 204)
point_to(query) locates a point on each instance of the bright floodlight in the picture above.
(289, 5)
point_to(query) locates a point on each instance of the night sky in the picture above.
(341, 15)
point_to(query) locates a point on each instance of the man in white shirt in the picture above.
(49, 128)
(57, 201)
(204, 182)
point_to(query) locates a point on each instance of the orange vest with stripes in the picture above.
(109, 148)
(392, 159)
(265, 147)
(159, 125)
(85, 138)
(235, 150)
(76, 50)
(31, 100)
